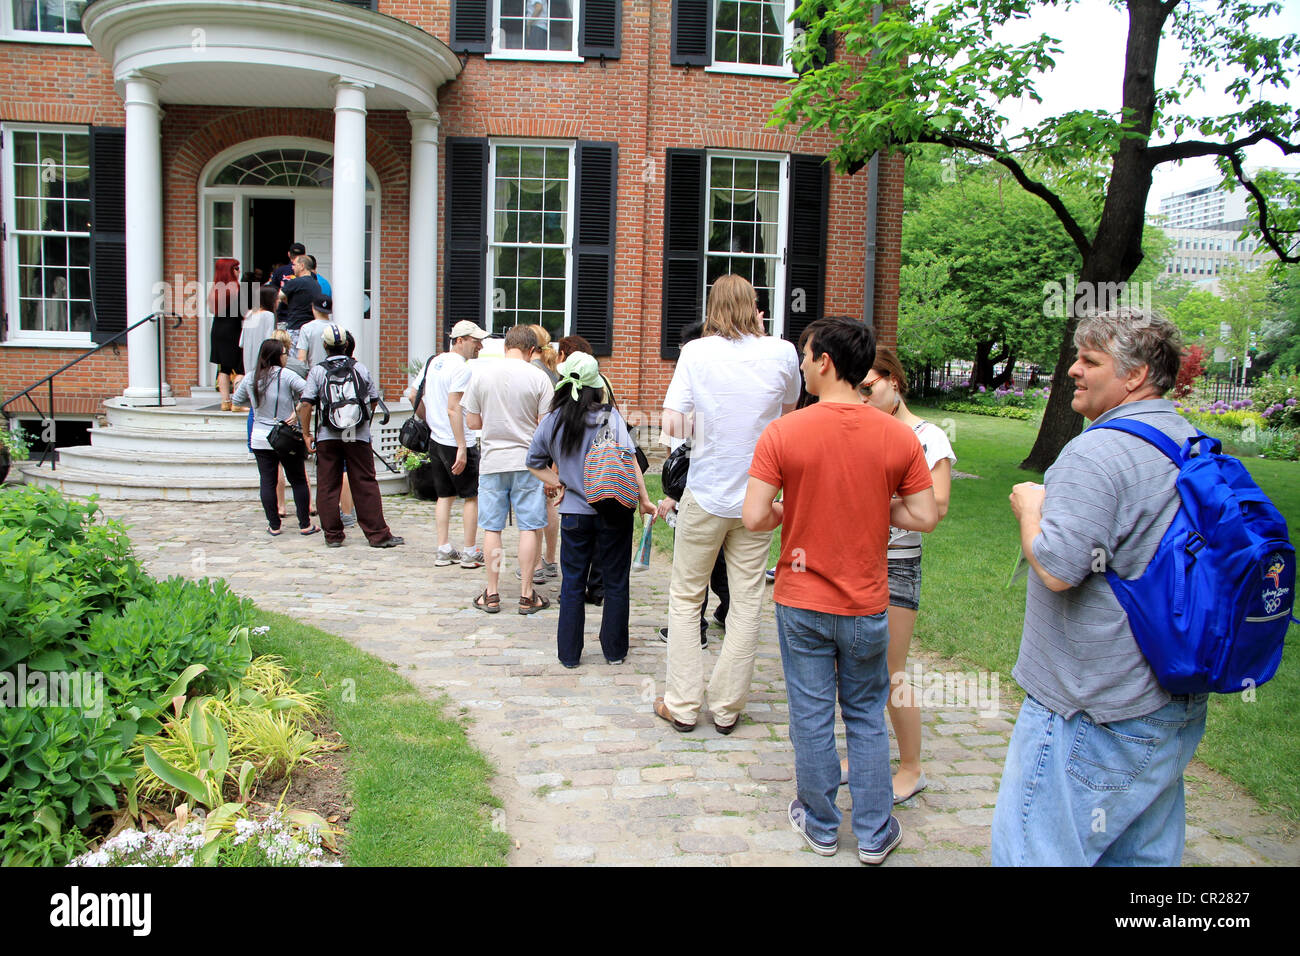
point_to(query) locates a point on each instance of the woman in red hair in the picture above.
(227, 324)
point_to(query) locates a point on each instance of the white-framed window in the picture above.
(46, 184)
(535, 29)
(530, 235)
(43, 21)
(747, 225)
(753, 36)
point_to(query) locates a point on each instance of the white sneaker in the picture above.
(471, 558)
(447, 555)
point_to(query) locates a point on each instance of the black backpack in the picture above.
(342, 402)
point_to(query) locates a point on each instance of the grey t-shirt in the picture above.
(1110, 498)
(310, 341)
(316, 385)
(278, 402)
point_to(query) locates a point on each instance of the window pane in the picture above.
(728, 15)
(725, 49)
(79, 252)
(721, 172)
(750, 22)
(530, 262)
(222, 215)
(553, 263)
(561, 35)
(772, 51)
(750, 48)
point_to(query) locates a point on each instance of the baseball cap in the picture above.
(323, 303)
(466, 327)
(334, 335)
(297, 249)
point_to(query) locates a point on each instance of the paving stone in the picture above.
(586, 773)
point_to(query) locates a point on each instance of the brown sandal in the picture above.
(489, 603)
(663, 713)
(533, 604)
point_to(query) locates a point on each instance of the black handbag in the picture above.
(675, 470)
(414, 434)
(286, 438)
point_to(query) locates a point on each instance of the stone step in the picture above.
(157, 442)
(128, 462)
(173, 418)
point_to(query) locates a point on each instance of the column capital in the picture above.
(350, 82)
(424, 127)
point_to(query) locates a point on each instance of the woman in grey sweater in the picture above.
(274, 392)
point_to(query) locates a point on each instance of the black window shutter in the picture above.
(692, 43)
(108, 231)
(363, 4)
(593, 268)
(683, 285)
(805, 277)
(827, 49)
(602, 29)
(466, 236)
(471, 26)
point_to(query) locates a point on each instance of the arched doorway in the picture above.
(257, 198)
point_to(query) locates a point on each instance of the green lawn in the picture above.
(418, 788)
(969, 615)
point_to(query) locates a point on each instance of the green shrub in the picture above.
(179, 624)
(57, 765)
(993, 410)
(59, 566)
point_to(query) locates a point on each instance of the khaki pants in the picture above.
(695, 547)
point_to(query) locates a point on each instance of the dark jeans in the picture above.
(587, 541)
(331, 456)
(268, 470)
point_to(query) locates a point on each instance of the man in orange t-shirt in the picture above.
(841, 464)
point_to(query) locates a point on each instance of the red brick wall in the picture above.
(639, 101)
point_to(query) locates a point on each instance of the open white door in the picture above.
(312, 226)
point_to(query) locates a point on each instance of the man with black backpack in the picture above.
(345, 396)
(1094, 771)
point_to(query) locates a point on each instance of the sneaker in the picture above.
(539, 576)
(391, 541)
(893, 837)
(349, 519)
(770, 575)
(471, 558)
(333, 544)
(447, 555)
(549, 570)
(663, 636)
(797, 816)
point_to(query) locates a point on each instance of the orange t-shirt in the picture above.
(839, 465)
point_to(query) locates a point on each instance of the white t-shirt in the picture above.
(309, 339)
(442, 375)
(935, 445)
(257, 328)
(511, 396)
(736, 388)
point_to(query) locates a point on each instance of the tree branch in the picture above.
(1072, 227)
(1261, 206)
(1192, 148)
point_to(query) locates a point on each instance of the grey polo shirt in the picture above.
(1110, 498)
(316, 385)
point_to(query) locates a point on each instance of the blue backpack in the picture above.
(1211, 610)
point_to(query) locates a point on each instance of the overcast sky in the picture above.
(1090, 69)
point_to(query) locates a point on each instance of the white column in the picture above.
(422, 284)
(144, 237)
(349, 225)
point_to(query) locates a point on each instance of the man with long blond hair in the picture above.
(729, 385)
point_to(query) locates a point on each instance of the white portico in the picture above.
(300, 54)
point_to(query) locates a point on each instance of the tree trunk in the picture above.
(1008, 373)
(985, 360)
(1117, 249)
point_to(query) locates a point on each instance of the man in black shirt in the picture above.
(298, 294)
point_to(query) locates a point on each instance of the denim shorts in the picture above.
(501, 490)
(905, 583)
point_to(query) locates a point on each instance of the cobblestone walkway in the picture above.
(585, 772)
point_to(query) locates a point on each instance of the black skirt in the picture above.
(224, 344)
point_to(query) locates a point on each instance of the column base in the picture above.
(137, 397)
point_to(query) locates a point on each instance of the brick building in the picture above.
(589, 164)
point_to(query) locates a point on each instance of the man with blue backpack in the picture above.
(1152, 559)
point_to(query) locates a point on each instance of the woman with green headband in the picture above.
(556, 456)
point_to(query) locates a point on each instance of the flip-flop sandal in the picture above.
(312, 530)
(488, 603)
(274, 534)
(531, 605)
(283, 514)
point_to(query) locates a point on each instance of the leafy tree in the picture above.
(938, 73)
(1199, 316)
(929, 307)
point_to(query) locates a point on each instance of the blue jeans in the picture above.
(819, 650)
(1078, 793)
(589, 540)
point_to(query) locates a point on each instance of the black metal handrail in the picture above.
(49, 379)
